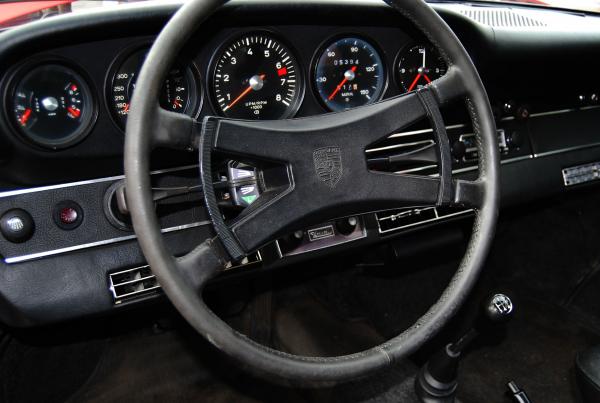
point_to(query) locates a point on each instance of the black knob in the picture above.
(346, 226)
(291, 241)
(459, 149)
(498, 308)
(17, 225)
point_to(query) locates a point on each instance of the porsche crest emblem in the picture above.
(328, 165)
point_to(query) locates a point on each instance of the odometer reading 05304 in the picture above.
(256, 77)
(349, 73)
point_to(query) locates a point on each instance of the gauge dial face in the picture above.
(179, 92)
(418, 66)
(52, 106)
(349, 73)
(257, 77)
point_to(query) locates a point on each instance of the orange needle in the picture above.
(339, 87)
(74, 112)
(414, 82)
(25, 117)
(242, 95)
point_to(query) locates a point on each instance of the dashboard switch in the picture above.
(17, 225)
(68, 215)
(346, 226)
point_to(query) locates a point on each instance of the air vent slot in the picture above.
(498, 18)
(405, 218)
(133, 283)
(418, 143)
(138, 282)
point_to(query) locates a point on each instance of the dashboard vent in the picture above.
(501, 18)
(138, 282)
(132, 284)
(410, 217)
(418, 142)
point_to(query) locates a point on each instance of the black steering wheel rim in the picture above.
(182, 278)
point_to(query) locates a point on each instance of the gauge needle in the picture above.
(339, 87)
(415, 82)
(243, 94)
(74, 112)
(126, 108)
(25, 117)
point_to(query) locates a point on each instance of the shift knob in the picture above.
(498, 308)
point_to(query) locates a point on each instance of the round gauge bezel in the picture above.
(294, 107)
(335, 38)
(129, 51)
(16, 76)
(401, 52)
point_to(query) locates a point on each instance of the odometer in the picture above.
(256, 77)
(349, 73)
(179, 93)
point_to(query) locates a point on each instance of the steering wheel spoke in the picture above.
(175, 130)
(468, 193)
(449, 87)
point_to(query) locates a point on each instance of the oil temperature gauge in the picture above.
(52, 106)
(179, 92)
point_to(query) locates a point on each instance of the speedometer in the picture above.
(349, 73)
(257, 77)
(179, 93)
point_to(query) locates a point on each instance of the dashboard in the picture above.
(66, 85)
(54, 101)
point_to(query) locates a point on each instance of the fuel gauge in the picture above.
(52, 106)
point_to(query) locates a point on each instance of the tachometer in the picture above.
(349, 73)
(179, 93)
(418, 66)
(257, 77)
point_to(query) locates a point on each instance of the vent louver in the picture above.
(501, 18)
(405, 153)
(132, 283)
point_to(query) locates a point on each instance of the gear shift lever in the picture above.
(436, 382)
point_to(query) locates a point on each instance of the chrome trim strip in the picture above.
(39, 255)
(412, 133)
(516, 159)
(401, 145)
(17, 192)
(565, 150)
(417, 169)
(550, 113)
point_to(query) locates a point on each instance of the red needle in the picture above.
(74, 112)
(427, 78)
(25, 116)
(339, 87)
(126, 108)
(243, 94)
(414, 82)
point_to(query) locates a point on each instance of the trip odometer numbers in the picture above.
(349, 73)
(257, 77)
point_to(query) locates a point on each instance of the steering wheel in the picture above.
(303, 192)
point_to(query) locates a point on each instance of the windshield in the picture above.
(14, 13)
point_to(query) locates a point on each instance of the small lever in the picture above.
(157, 194)
(517, 394)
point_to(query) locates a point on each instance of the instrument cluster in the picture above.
(255, 75)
